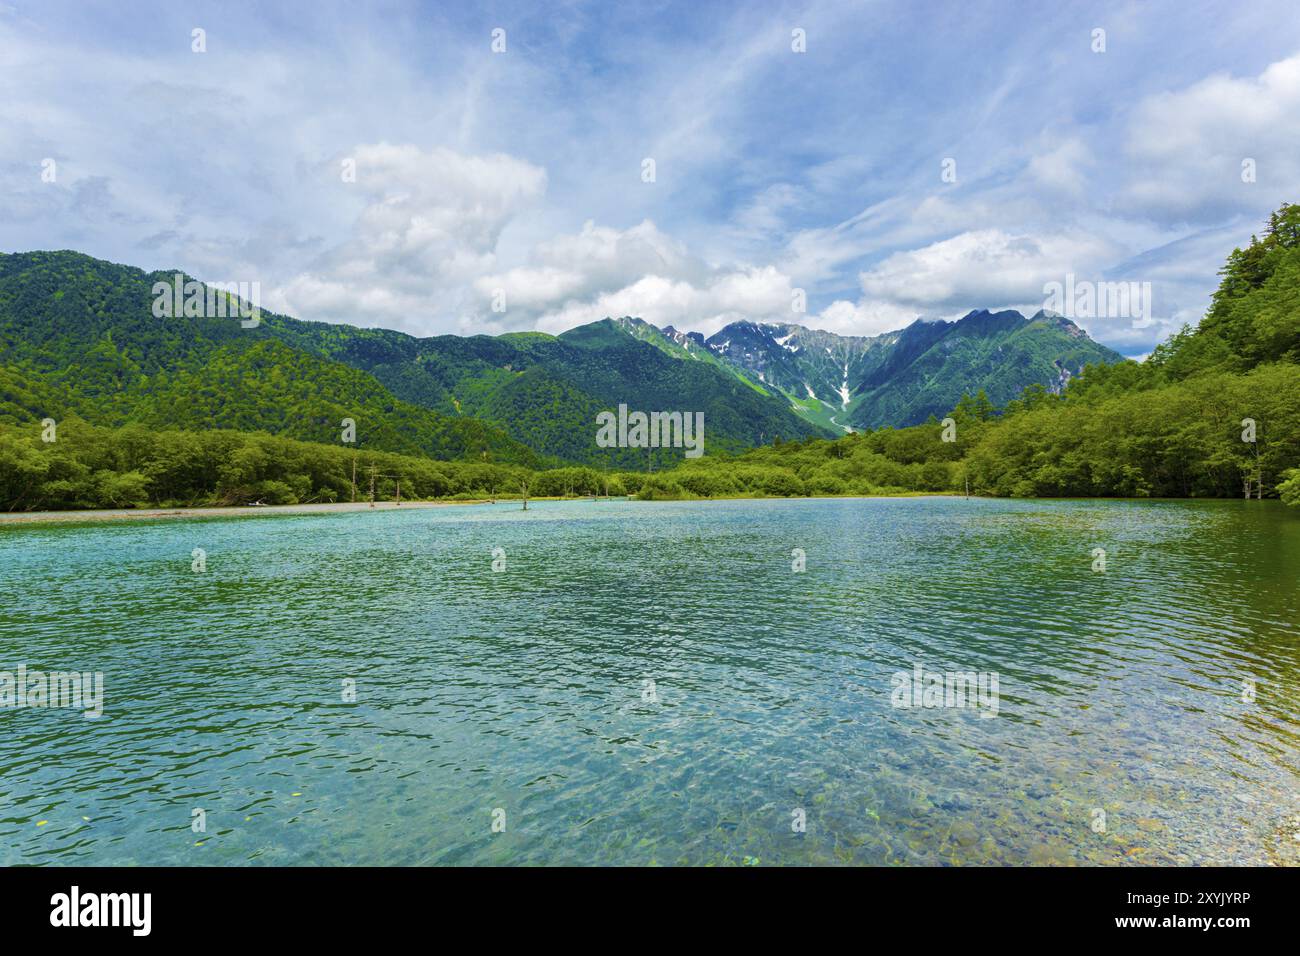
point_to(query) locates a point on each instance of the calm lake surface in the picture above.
(1120, 693)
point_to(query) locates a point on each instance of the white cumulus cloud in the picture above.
(1187, 146)
(987, 267)
(428, 227)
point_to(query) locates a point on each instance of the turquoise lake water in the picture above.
(1125, 731)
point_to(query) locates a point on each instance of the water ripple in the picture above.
(653, 683)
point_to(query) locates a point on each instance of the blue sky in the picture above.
(515, 179)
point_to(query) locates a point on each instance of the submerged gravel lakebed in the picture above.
(655, 683)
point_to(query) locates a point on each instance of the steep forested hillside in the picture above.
(546, 390)
(77, 336)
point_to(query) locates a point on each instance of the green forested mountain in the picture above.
(77, 336)
(902, 378)
(546, 390)
(1000, 353)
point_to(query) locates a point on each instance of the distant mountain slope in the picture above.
(901, 378)
(83, 329)
(816, 370)
(935, 363)
(546, 390)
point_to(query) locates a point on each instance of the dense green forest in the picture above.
(73, 344)
(134, 466)
(78, 337)
(1172, 426)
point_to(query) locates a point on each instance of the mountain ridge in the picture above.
(516, 394)
(902, 377)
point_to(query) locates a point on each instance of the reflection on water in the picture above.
(1122, 735)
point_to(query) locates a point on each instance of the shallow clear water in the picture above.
(1119, 692)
